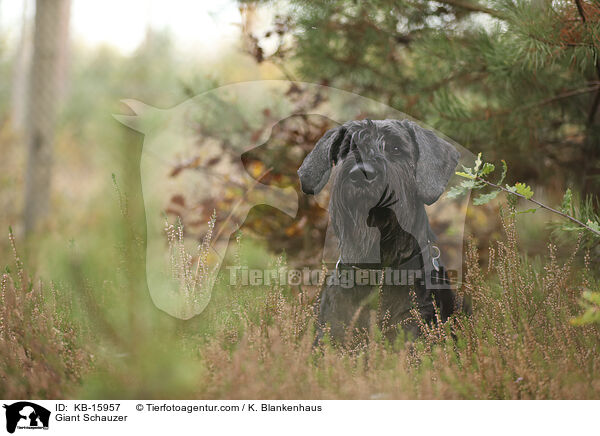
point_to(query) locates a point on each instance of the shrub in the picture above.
(42, 354)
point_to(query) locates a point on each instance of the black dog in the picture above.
(384, 172)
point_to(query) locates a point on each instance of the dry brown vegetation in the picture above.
(41, 357)
(519, 343)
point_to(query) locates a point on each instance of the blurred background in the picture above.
(517, 80)
(65, 70)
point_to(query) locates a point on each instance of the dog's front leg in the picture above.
(345, 312)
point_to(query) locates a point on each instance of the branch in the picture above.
(473, 7)
(596, 101)
(544, 102)
(561, 43)
(580, 10)
(564, 215)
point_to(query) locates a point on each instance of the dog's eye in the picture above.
(395, 149)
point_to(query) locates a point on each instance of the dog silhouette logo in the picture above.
(26, 415)
(211, 161)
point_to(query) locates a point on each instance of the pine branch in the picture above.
(559, 43)
(564, 215)
(596, 102)
(580, 10)
(543, 102)
(473, 7)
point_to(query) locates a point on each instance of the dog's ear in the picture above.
(314, 171)
(436, 163)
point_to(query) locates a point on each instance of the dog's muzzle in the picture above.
(363, 172)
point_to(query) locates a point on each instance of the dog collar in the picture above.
(434, 260)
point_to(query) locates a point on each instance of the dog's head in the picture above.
(378, 166)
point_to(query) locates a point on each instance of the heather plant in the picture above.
(582, 216)
(193, 279)
(42, 348)
(521, 83)
(258, 342)
(518, 343)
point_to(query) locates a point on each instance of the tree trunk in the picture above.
(20, 81)
(49, 54)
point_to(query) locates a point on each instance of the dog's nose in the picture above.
(363, 172)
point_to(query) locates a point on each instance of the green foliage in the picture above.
(504, 171)
(487, 168)
(591, 303)
(532, 210)
(477, 178)
(521, 189)
(485, 198)
(567, 202)
(586, 210)
(593, 225)
(505, 77)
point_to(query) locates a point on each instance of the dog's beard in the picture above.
(359, 243)
(365, 243)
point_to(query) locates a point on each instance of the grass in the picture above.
(98, 336)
